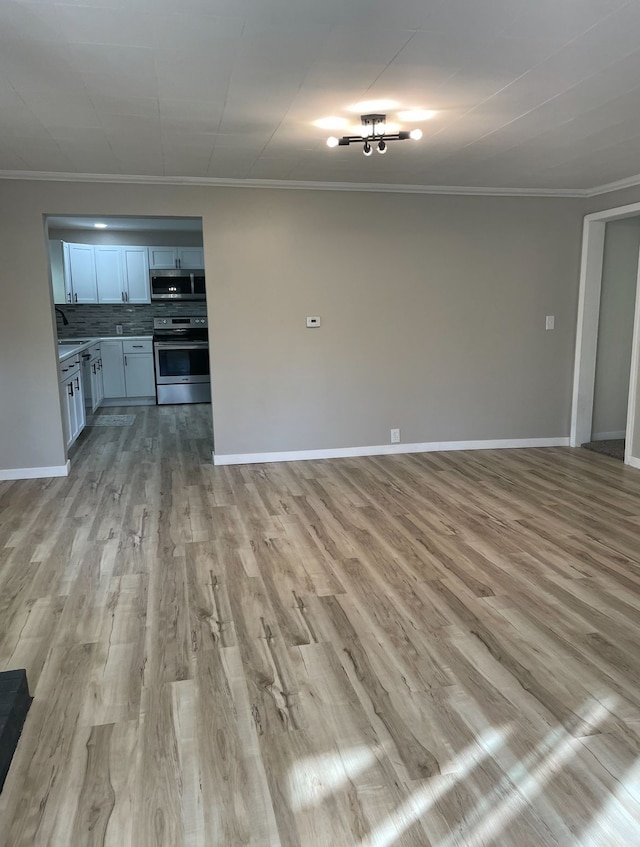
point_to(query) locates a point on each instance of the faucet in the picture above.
(64, 317)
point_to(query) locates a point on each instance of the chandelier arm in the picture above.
(372, 126)
(403, 135)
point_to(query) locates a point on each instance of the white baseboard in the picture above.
(608, 436)
(384, 449)
(35, 473)
(632, 462)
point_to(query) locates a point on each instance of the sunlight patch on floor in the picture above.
(526, 781)
(314, 778)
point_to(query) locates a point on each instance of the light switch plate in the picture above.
(550, 322)
(313, 322)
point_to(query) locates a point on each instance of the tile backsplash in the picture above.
(135, 320)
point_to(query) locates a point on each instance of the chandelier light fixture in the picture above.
(374, 134)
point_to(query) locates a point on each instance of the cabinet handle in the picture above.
(94, 367)
(70, 389)
(125, 361)
(75, 297)
(77, 383)
(99, 364)
(137, 345)
(126, 297)
(122, 296)
(69, 297)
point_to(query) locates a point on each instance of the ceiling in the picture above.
(541, 94)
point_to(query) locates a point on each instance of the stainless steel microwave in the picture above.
(178, 284)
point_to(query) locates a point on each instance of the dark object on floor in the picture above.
(613, 447)
(14, 705)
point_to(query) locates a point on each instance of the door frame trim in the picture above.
(591, 264)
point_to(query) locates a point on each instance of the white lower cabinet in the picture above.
(112, 369)
(72, 396)
(127, 368)
(92, 378)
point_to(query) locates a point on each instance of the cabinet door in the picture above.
(190, 257)
(73, 414)
(98, 397)
(162, 258)
(78, 404)
(109, 276)
(66, 273)
(67, 409)
(93, 375)
(139, 375)
(113, 368)
(82, 272)
(56, 265)
(135, 261)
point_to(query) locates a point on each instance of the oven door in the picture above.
(181, 361)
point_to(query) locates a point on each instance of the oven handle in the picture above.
(177, 345)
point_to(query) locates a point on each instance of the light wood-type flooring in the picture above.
(436, 649)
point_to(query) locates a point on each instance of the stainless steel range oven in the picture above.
(181, 353)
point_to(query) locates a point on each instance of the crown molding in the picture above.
(618, 185)
(129, 179)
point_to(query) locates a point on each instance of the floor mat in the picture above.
(613, 447)
(110, 420)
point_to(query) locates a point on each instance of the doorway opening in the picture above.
(131, 315)
(605, 393)
(615, 337)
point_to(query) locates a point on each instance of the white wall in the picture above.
(615, 328)
(433, 314)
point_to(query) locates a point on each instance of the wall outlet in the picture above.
(395, 436)
(118, 329)
(313, 321)
(550, 322)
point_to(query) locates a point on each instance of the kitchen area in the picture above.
(131, 314)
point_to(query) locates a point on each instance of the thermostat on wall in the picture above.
(313, 322)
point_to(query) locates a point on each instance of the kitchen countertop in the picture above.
(72, 346)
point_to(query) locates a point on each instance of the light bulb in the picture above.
(365, 130)
(367, 149)
(382, 147)
(415, 134)
(381, 128)
(332, 141)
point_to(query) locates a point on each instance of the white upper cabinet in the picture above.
(112, 274)
(163, 258)
(135, 263)
(168, 258)
(190, 257)
(109, 274)
(122, 275)
(81, 277)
